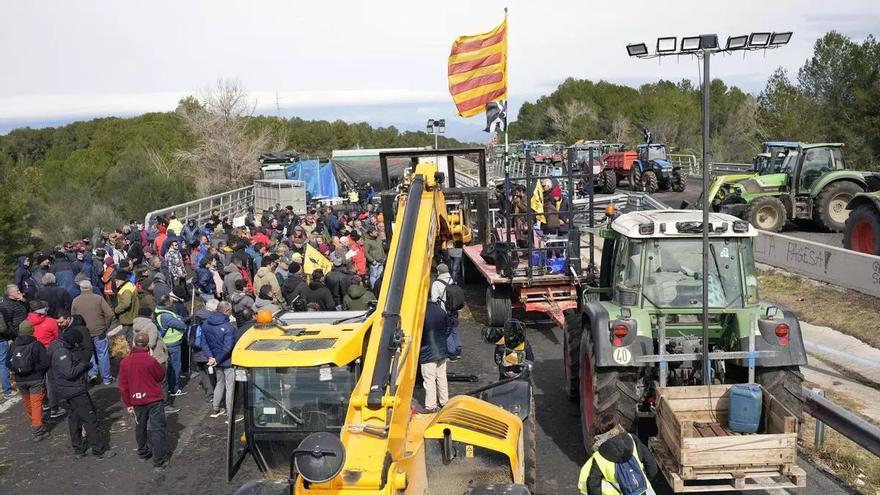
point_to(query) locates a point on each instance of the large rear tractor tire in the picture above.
(609, 181)
(785, 385)
(679, 181)
(530, 447)
(830, 207)
(862, 232)
(571, 346)
(605, 392)
(649, 182)
(498, 305)
(767, 213)
(635, 178)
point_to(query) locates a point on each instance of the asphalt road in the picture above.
(198, 465)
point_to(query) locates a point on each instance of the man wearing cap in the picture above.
(337, 282)
(69, 369)
(98, 316)
(375, 254)
(171, 328)
(140, 388)
(33, 359)
(42, 267)
(281, 271)
(127, 304)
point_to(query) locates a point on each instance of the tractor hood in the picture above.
(762, 184)
(662, 163)
(725, 180)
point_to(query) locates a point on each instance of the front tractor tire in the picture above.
(608, 392)
(609, 181)
(571, 346)
(862, 231)
(498, 306)
(830, 208)
(635, 178)
(785, 385)
(679, 181)
(649, 182)
(767, 213)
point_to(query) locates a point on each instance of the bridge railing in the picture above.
(230, 204)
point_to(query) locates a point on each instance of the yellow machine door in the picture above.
(237, 442)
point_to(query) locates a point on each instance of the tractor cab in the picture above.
(772, 155)
(652, 152)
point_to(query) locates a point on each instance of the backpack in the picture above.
(630, 477)
(453, 299)
(196, 337)
(22, 360)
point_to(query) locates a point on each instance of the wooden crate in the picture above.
(698, 452)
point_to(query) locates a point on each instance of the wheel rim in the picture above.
(837, 208)
(863, 237)
(766, 217)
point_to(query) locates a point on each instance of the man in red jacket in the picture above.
(140, 388)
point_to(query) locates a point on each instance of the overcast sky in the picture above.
(380, 61)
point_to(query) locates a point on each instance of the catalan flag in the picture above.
(478, 70)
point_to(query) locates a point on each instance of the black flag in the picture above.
(496, 116)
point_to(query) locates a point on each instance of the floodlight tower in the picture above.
(702, 47)
(436, 127)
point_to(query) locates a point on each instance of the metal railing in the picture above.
(230, 204)
(721, 168)
(466, 180)
(687, 162)
(840, 420)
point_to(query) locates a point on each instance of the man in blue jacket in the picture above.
(432, 357)
(171, 328)
(219, 336)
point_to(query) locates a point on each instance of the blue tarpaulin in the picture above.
(319, 178)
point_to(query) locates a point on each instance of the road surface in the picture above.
(198, 465)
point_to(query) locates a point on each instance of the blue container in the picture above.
(557, 265)
(539, 258)
(745, 408)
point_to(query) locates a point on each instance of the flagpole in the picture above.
(507, 191)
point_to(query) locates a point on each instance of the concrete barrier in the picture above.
(834, 265)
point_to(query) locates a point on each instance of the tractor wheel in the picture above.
(830, 207)
(605, 392)
(571, 344)
(785, 385)
(649, 182)
(610, 181)
(862, 232)
(767, 213)
(635, 178)
(498, 306)
(679, 181)
(530, 447)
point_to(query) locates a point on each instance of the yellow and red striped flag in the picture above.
(478, 70)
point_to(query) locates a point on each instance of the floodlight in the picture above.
(637, 49)
(779, 39)
(737, 42)
(709, 41)
(441, 124)
(430, 126)
(666, 45)
(759, 39)
(690, 44)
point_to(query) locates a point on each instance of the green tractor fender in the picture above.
(634, 345)
(760, 185)
(838, 175)
(865, 199)
(793, 353)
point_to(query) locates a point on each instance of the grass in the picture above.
(852, 463)
(847, 311)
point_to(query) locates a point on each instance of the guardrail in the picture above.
(721, 168)
(687, 162)
(230, 204)
(834, 265)
(840, 420)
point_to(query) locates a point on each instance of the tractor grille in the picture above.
(312, 344)
(269, 345)
(475, 421)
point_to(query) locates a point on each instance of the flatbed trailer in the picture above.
(697, 452)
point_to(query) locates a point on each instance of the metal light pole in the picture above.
(703, 46)
(436, 127)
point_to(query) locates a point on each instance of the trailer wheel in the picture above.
(679, 181)
(498, 305)
(530, 447)
(830, 211)
(571, 344)
(635, 178)
(605, 392)
(610, 179)
(785, 385)
(649, 182)
(862, 231)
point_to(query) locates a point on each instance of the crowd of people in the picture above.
(180, 294)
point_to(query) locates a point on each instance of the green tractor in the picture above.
(768, 161)
(644, 330)
(862, 231)
(812, 183)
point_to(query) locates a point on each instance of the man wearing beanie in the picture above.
(70, 385)
(28, 361)
(98, 315)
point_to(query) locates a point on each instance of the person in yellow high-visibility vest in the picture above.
(598, 476)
